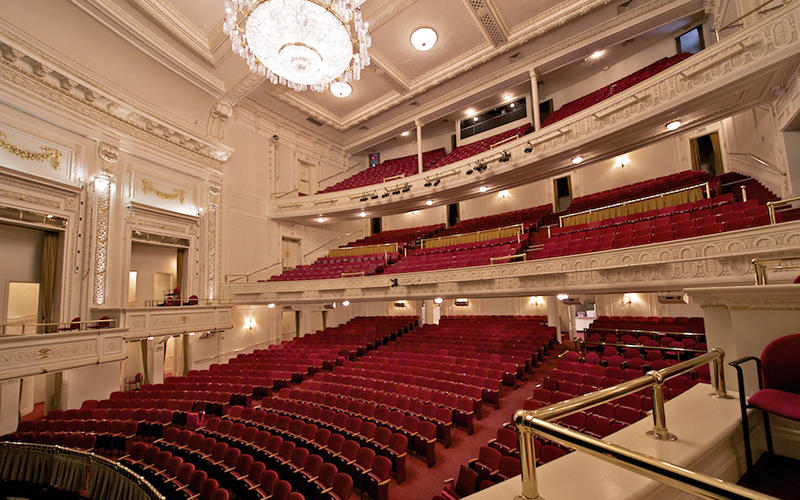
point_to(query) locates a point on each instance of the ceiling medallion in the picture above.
(299, 43)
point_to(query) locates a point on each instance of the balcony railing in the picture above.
(761, 266)
(537, 422)
(73, 470)
(60, 327)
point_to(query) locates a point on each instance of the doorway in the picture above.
(453, 215)
(22, 308)
(562, 191)
(707, 154)
(290, 253)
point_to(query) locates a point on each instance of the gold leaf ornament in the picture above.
(149, 187)
(53, 155)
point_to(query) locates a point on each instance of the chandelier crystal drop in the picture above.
(299, 43)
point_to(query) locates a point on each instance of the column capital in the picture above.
(418, 123)
(532, 73)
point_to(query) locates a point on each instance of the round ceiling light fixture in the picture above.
(577, 160)
(483, 189)
(341, 89)
(405, 133)
(320, 219)
(362, 214)
(674, 125)
(299, 43)
(429, 202)
(423, 39)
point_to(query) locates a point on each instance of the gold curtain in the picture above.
(185, 348)
(695, 154)
(181, 261)
(669, 200)
(718, 169)
(365, 250)
(145, 371)
(47, 289)
(458, 239)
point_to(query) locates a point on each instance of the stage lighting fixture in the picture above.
(374, 197)
(437, 182)
(406, 189)
(385, 195)
(505, 157)
(468, 172)
(396, 191)
(428, 184)
(528, 148)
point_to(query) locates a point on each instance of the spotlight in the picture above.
(428, 184)
(528, 148)
(437, 182)
(393, 283)
(406, 189)
(481, 167)
(374, 197)
(505, 157)
(363, 199)
(468, 172)
(385, 195)
(396, 191)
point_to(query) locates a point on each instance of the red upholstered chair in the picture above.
(778, 383)
(465, 484)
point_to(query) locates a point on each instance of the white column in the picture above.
(9, 405)
(573, 328)
(553, 318)
(419, 145)
(537, 119)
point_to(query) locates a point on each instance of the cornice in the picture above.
(171, 19)
(29, 71)
(721, 259)
(770, 297)
(119, 21)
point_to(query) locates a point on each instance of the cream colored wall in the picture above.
(147, 260)
(21, 249)
(496, 306)
(426, 217)
(527, 196)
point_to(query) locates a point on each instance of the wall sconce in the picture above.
(503, 194)
(271, 305)
(400, 303)
(462, 302)
(345, 303)
(537, 301)
(621, 161)
(249, 323)
(562, 296)
(627, 298)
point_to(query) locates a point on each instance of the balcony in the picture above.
(718, 259)
(746, 69)
(154, 321)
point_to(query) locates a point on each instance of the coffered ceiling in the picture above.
(473, 35)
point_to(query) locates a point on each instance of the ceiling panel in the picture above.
(369, 88)
(516, 12)
(456, 27)
(204, 14)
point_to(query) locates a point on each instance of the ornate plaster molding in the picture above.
(692, 88)
(488, 18)
(708, 260)
(33, 73)
(748, 298)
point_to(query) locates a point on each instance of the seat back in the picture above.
(778, 364)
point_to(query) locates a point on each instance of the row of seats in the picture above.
(446, 258)
(480, 146)
(527, 216)
(328, 267)
(403, 237)
(618, 86)
(405, 166)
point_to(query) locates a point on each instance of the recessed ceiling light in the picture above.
(345, 303)
(577, 160)
(429, 202)
(341, 89)
(320, 219)
(475, 119)
(673, 125)
(271, 305)
(503, 194)
(483, 189)
(362, 214)
(423, 39)
(470, 111)
(438, 300)
(597, 54)
(507, 97)
(512, 105)
(405, 133)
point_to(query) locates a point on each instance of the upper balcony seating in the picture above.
(405, 166)
(478, 147)
(334, 267)
(527, 216)
(638, 190)
(403, 237)
(620, 85)
(704, 217)
(478, 253)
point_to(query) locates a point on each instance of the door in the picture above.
(22, 308)
(562, 191)
(707, 154)
(290, 253)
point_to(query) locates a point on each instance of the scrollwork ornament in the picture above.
(47, 154)
(149, 187)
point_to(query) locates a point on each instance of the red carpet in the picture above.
(422, 483)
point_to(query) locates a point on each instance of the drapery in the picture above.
(145, 370)
(70, 471)
(181, 260)
(667, 200)
(458, 239)
(363, 250)
(717, 153)
(47, 288)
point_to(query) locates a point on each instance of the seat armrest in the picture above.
(448, 480)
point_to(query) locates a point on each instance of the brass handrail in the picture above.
(583, 343)
(146, 490)
(520, 225)
(657, 332)
(235, 278)
(533, 422)
(523, 255)
(772, 204)
(62, 326)
(761, 266)
(717, 31)
(643, 198)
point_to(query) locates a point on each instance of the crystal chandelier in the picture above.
(299, 43)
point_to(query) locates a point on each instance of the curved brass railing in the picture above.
(539, 422)
(73, 470)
